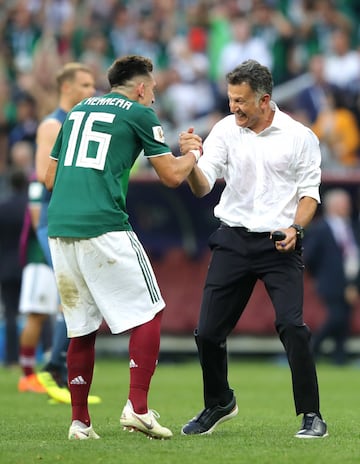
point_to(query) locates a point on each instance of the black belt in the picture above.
(244, 229)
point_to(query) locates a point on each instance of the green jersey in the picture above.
(97, 145)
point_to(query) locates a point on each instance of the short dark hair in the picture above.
(257, 76)
(126, 68)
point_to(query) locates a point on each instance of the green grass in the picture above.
(32, 431)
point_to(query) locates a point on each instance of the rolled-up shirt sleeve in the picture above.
(214, 160)
(308, 169)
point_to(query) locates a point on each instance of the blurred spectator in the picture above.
(7, 118)
(274, 29)
(328, 18)
(219, 35)
(57, 13)
(243, 45)
(314, 23)
(39, 83)
(342, 63)
(148, 43)
(338, 131)
(22, 155)
(122, 31)
(302, 14)
(102, 11)
(26, 120)
(7, 106)
(21, 34)
(331, 255)
(12, 209)
(189, 93)
(97, 56)
(21, 158)
(313, 99)
(172, 17)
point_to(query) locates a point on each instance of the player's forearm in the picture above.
(181, 168)
(41, 163)
(50, 175)
(172, 171)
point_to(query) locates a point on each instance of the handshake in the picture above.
(190, 142)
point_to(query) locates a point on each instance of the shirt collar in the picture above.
(276, 122)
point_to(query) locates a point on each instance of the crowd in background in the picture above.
(193, 44)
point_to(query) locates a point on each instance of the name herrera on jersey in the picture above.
(120, 102)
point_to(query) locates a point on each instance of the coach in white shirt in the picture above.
(271, 167)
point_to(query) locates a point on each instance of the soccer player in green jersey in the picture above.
(101, 268)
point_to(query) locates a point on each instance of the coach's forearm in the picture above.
(198, 183)
(306, 211)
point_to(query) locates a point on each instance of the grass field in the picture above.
(33, 431)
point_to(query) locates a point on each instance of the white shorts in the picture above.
(108, 277)
(38, 290)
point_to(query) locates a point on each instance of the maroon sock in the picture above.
(80, 361)
(27, 359)
(144, 347)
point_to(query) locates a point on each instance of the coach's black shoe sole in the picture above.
(206, 421)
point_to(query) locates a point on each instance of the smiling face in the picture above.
(249, 90)
(248, 107)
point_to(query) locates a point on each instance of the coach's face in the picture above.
(248, 108)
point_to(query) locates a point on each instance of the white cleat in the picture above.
(145, 423)
(79, 431)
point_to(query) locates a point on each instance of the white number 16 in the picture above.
(88, 135)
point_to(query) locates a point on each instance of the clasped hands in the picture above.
(189, 141)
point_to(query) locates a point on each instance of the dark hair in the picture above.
(126, 68)
(257, 76)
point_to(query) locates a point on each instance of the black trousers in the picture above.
(239, 259)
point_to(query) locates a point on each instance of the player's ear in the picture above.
(65, 87)
(141, 89)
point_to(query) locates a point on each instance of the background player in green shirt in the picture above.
(101, 268)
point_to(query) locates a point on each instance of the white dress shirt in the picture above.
(265, 174)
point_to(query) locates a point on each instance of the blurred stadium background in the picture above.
(186, 40)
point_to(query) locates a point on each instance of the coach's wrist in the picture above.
(299, 230)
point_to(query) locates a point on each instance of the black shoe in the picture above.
(312, 427)
(205, 422)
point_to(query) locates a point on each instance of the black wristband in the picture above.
(299, 230)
